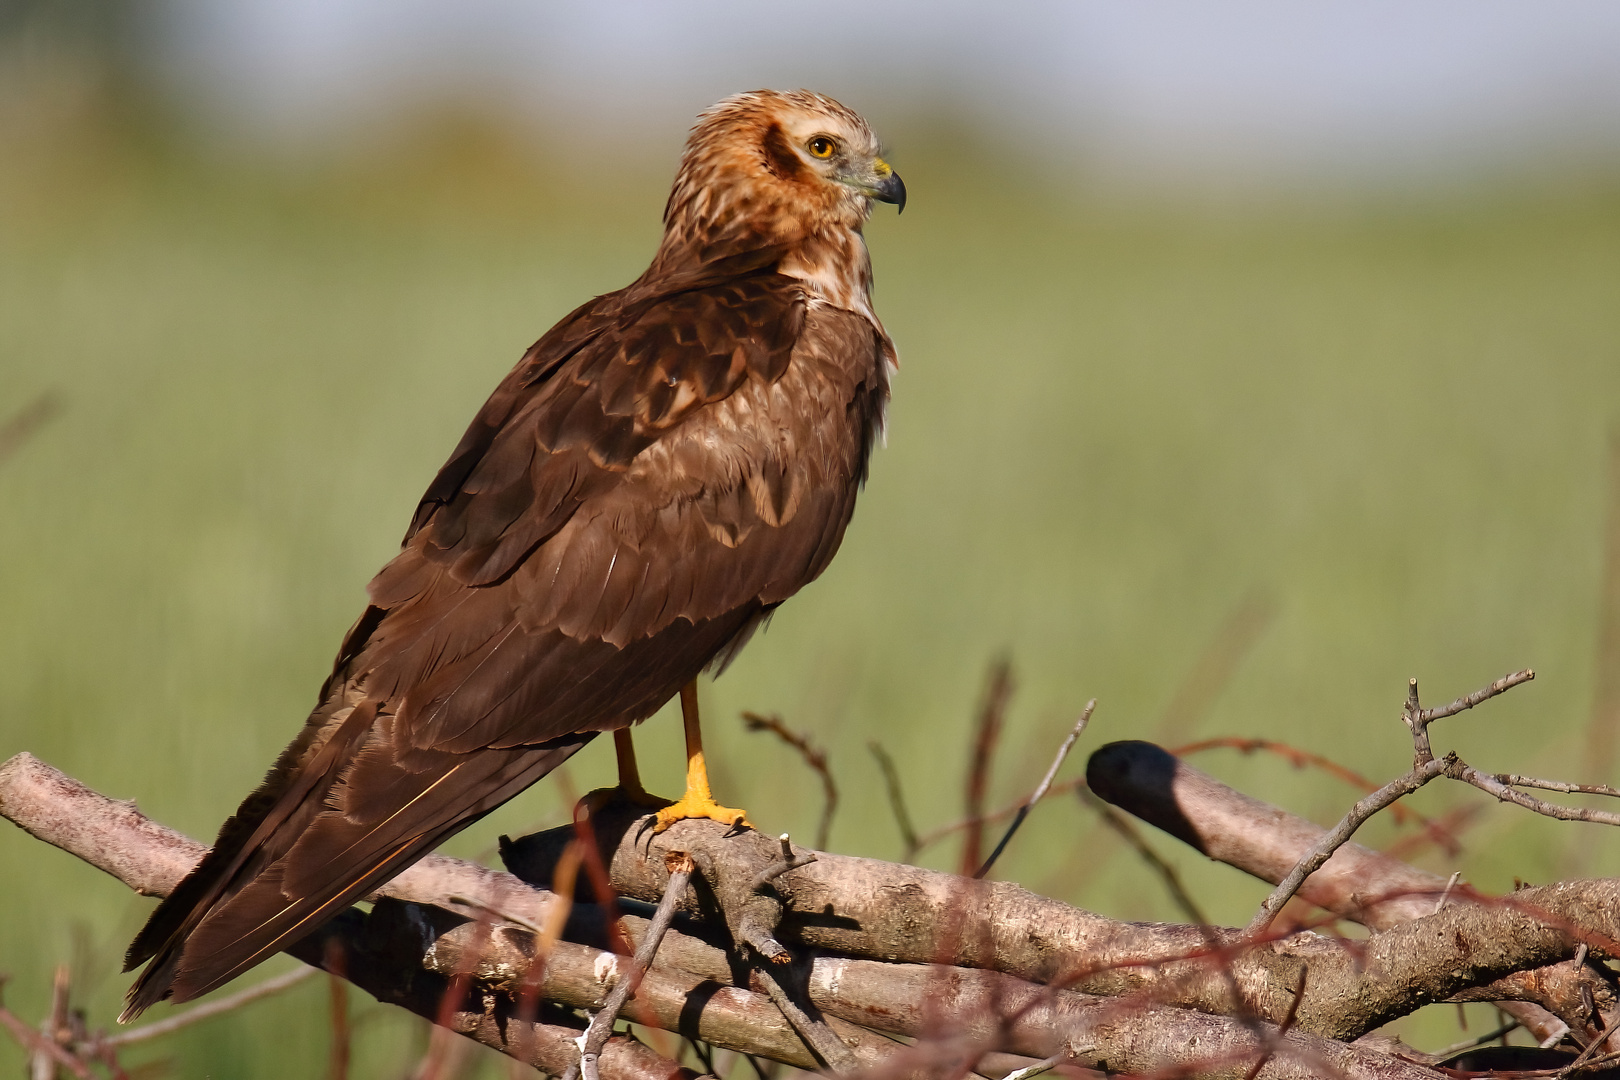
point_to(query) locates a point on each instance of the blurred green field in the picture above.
(1118, 421)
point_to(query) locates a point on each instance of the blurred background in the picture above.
(1255, 358)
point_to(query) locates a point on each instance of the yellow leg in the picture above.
(697, 802)
(629, 789)
(624, 751)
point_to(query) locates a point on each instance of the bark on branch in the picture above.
(967, 968)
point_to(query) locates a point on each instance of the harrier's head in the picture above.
(776, 167)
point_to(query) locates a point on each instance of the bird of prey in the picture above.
(662, 469)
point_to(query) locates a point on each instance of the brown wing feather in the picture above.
(657, 473)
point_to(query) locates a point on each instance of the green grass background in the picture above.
(1118, 420)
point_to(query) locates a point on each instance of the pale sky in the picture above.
(1169, 87)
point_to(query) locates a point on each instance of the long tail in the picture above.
(347, 807)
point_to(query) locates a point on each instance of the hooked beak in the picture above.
(889, 187)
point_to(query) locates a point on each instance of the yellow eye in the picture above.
(822, 147)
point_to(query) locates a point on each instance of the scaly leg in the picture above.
(697, 802)
(628, 789)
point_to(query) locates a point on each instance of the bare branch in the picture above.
(1500, 686)
(231, 1003)
(1335, 838)
(986, 737)
(1172, 880)
(897, 800)
(813, 756)
(1041, 788)
(1515, 780)
(1492, 786)
(1359, 884)
(35, 1043)
(680, 868)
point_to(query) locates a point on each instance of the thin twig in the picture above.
(596, 1034)
(1335, 838)
(813, 756)
(987, 734)
(35, 1043)
(54, 1029)
(1282, 1029)
(25, 422)
(1045, 1065)
(815, 1033)
(1462, 704)
(1301, 759)
(1425, 767)
(897, 800)
(1041, 788)
(213, 1008)
(1492, 786)
(1469, 1044)
(1515, 780)
(1445, 894)
(1128, 831)
(1586, 1055)
(337, 1067)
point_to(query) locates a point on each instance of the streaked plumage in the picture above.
(663, 468)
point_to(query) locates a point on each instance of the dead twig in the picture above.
(36, 1044)
(1277, 1037)
(813, 756)
(26, 422)
(1215, 666)
(1336, 837)
(680, 867)
(897, 800)
(1041, 788)
(1515, 780)
(199, 1013)
(986, 736)
(1167, 873)
(1418, 719)
(1301, 759)
(1425, 767)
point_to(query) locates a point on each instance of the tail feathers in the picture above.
(245, 837)
(336, 858)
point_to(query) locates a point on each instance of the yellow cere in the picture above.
(881, 167)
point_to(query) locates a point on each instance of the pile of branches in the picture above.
(605, 951)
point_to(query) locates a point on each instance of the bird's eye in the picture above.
(822, 147)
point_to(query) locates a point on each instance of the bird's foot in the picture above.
(699, 804)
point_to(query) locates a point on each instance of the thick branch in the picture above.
(871, 909)
(151, 859)
(1357, 883)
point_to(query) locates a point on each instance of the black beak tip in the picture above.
(893, 190)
